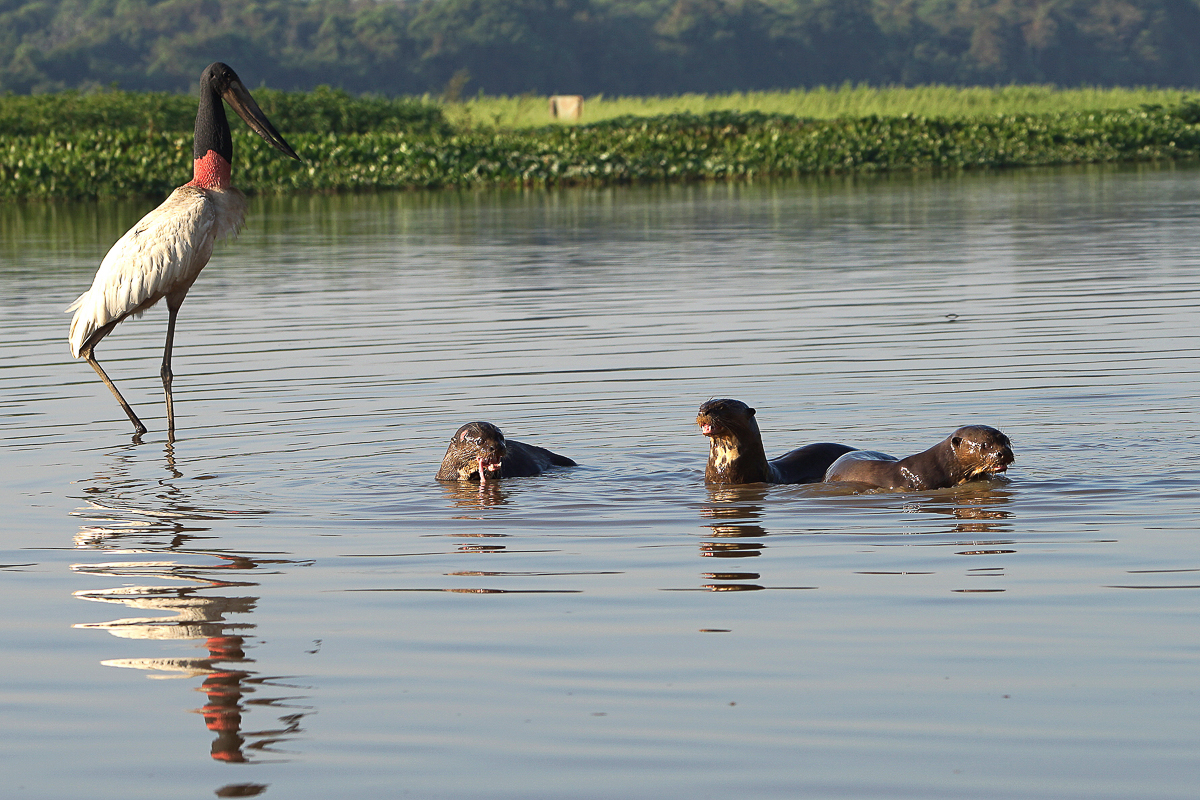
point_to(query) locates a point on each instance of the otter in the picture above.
(971, 452)
(480, 452)
(736, 455)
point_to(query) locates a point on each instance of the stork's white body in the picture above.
(160, 256)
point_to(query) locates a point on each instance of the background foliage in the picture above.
(716, 145)
(614, 47)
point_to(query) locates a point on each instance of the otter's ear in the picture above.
(956, 441)
(751, 412)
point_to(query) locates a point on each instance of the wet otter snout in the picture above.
(490, 448)
(724, 417)
(989, 449)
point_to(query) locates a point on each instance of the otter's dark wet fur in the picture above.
(736, 454)
(972, 452)
(479, 452)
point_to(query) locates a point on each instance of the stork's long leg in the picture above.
(167, 375)
(91, 359)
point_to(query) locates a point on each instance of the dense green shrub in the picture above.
(721, 145)
(323, 110)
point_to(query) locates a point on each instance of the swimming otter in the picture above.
(736, 455)
(974, 451)
(480, 452)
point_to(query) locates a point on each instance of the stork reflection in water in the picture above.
(161, 256)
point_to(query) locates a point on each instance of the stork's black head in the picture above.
(218, 82)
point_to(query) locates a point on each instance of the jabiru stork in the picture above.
(162, 255)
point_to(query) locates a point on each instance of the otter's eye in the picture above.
(985, 446)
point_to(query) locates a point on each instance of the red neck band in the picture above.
(210, 172)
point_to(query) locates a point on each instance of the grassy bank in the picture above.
(954, 102)
(125, 160)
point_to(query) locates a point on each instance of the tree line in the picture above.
(451, 48)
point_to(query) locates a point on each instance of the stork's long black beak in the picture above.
(239, 99)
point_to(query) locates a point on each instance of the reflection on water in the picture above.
(231, 687)
(540, 637)
(980, 512)
(736, 501)
(147, 537)
(477, 495)
(124, 505)
(733, 503)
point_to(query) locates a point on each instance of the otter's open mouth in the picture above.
(991, 470)
(488, 467)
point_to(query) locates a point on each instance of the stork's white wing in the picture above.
(162, 254)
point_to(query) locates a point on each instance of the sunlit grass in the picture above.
(525, 111)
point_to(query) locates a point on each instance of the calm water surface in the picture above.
(284, 602)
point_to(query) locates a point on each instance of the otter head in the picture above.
(727, 419)
(981, 451)
(735, 450)
(478, 451)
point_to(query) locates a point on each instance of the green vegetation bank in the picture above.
(124, 144)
